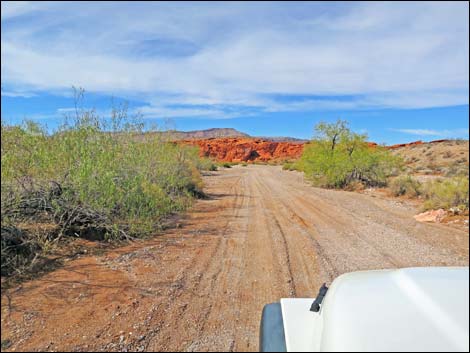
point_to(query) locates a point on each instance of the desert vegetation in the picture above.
(339, 158)
(446, 158)
(405, 185)
(92, 178)
(446, 193)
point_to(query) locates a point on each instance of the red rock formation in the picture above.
(405, 144)
(241, 149)
(437, 141)
(246, 149)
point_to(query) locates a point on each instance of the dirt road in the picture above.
(263, 234)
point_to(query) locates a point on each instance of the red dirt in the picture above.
(246, 149)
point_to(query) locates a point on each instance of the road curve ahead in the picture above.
(262, 234)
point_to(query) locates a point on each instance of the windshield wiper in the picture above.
(321, 294)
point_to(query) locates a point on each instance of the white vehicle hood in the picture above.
(414, 309)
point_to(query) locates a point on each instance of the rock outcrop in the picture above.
(431, 216)
(392, 147)
(246, 149)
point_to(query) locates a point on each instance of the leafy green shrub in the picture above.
(337, 157)
(446, 193)
(93, 176)
(405, 185)
(204, 163)
(137, 183)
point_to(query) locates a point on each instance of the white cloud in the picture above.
(18, 94)
(428, 132)
(386, 55)
(418, 132)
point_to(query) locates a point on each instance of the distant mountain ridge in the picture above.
(282, 139)
(225, 133)
(205, 134)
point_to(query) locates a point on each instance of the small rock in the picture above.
(431, 216)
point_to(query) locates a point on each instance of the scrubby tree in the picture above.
(337, 157)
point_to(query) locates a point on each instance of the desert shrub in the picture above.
(135, 182)
(92, 176)
(244, 164)
(287, 166)
(337, 157)
(446, 193)
(291, 165)
(227, 165)
(447, 154)
(139, 182)
(204, 163)
(405, 185)
(457, 169)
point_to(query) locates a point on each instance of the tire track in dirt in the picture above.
(306, 245)
(202, 289)
(307, 258)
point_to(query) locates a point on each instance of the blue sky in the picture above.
(398, 71)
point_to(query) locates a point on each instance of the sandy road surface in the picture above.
(263, 234)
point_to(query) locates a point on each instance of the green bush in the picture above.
(135, 182)
(338, 157)
(93, 176)
(446, 193)
(405, 185)
(205, 163)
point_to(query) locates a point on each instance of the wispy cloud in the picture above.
(428, 132)
(384, 55)
(18, 94)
